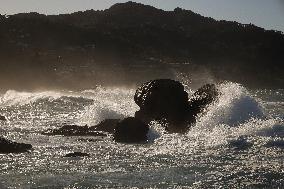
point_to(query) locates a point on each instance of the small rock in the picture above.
(73, 130)
(7, 146)
(201, 98)
(3, 118)
(77, 154)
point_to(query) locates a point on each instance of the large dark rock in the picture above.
(107, 125)
(3, 118)
(7, 146)
(165, 100)
(73, 130)
(162, 99)
(131, 130)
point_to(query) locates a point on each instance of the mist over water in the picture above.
(236, 143)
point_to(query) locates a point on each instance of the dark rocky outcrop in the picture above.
(162, 99)
(165, 100)
(107, 125)
(73, 130)
(3, 118)
(77, 154)
(202, 98)
(131, 130)
(7, 146)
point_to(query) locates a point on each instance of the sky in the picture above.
(268, 14)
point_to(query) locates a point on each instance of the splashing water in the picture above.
(236, 143)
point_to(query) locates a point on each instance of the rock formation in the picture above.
(131, 130)
(166, 100)
(7, 146)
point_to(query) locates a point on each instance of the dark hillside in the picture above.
(132, 42)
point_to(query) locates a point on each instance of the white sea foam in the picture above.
(16, 98)
(109, 103)
(235, 114)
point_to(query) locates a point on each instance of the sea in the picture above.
(238, 142)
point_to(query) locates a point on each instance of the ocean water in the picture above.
(237, 143)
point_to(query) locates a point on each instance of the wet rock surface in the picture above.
(73, 130)
(7, 146)
(201, 98)
(131, 130)
(161, 99)
(166, 100)
(107, 125)
(77, 154)
(3, 118)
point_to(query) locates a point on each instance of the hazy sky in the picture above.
(264, 13)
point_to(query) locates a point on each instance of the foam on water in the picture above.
(233, 107)
(109, 103)
(16, 98)
(236, 113)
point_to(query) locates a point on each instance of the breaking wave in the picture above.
(237, 112)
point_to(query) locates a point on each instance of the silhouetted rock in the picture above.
(131, 130)
(165, 100)
(3, 118)
(7, 146)
(162, 99)
(201, 98)
(73, 130)
(107, 125)
(77, 154)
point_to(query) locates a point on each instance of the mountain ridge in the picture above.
(129, 33)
